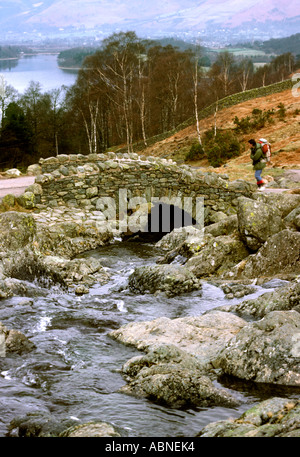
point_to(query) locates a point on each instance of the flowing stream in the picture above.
(73, 372)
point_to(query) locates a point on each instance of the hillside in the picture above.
(278, 45)
(283, 135)
(167, 16)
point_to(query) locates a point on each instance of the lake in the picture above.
(42, 68)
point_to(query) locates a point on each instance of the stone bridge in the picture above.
(125, 182)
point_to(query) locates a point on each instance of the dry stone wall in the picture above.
(81, 181)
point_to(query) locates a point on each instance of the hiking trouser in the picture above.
(258, 175)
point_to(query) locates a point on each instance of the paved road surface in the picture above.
(15, 186)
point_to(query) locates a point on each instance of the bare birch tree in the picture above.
(196, 86)
(244, 72)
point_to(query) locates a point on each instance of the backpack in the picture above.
(266, 148)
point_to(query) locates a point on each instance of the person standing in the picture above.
(259, 163)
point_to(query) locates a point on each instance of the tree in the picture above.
(118, 70)
(32, 103)
(7, 95)
(261, 76)
(16, 137)
(245, 70)
(171, 86)
(196, 86)
(283, 65)
(221, 73)
(54, 105)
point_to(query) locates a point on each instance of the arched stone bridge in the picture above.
(129, 180)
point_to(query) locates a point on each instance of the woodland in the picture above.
(126, 92)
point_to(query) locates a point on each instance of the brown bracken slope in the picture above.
(283, 135)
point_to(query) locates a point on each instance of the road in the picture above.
(15, 186)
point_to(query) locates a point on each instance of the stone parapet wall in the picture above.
(81, 181)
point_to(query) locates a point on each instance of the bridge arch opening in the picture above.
(162, 218)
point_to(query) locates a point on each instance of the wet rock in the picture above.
(237, 290)
(204, 336)
(275, 417)
(15, 341)
(10, 287)
(169, 279)
(38, 424)
(91, 429)
(77, 271)
(81, 290)
(282, 299)
(170, 376)
(257, 221)
(5, 291)
(26, 265)
(53, 270)
(266, 351)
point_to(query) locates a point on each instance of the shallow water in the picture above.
(73, 372)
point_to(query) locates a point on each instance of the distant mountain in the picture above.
(156, 17)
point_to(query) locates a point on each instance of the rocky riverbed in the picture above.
(182, 359)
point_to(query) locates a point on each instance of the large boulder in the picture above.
(16, 230)
(193, 235)
(275, 417)
(175, 238)
(214, 255)
(204, 336)
(171, 376)
(278, 257)
(68, 238)
(77, 271)
(285, 202)
(169, 279)
(257, 221)
(266, 351)
(226, 226)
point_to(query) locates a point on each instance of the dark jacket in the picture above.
(258, 157)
